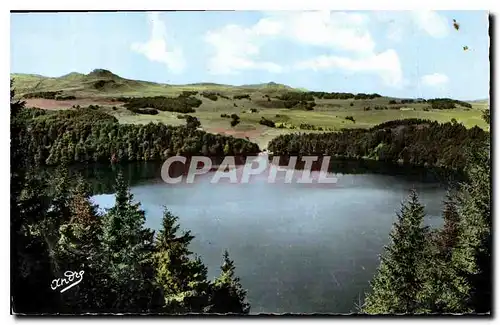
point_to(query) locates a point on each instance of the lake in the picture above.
(298, 248)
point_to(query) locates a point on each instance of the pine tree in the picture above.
(127, 251)
(448, 236)
(79, 249)
(30, 264)
(399, 281)
(440, 293)
(227, 294)
(183, 279)
(472, 257)
(58, 214)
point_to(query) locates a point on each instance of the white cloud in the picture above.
(432, 23)
(435, 80)
(386, 65)
(156, 49)
(398, 23)
(238, 48)
(335, 30)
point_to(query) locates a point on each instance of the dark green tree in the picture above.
(127, 251)
(442, 285)
(397, 286)
(472, 256)
(183, 279)
(227, 294)
(31, 270)
(79, 249)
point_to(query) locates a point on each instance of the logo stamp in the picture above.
(71, 279)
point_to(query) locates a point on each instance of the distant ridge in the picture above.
(102, 82)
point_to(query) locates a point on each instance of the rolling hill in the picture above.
(104, 83)
(253, 103)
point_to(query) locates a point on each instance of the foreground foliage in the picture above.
(127, 268)
(442, 271)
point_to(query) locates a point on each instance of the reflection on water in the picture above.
(102, 176)
(299, 248)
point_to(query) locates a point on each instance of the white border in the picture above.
(190, 5)
(254, 5)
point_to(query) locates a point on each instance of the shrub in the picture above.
(235, 119)
(188, 93)
(247, 96)
(65, 97)
(350, 118)
(296, 96)
(147, 111)
(209, 95)
(192, 122)
(266, 122)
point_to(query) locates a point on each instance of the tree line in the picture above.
(180, 104)
(447, 103)
(88, 135)
(57, 95)
(412, 141)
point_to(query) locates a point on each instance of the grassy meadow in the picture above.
(328, 113)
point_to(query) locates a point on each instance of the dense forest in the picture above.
(180, 104)
(444, 270)
(411, 141)
(88, 135)
(127, 267)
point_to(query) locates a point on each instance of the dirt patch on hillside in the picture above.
(53, 104)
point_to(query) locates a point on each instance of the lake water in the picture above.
(299, 248)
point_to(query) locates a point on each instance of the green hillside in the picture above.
(253, 104)
(104, 83)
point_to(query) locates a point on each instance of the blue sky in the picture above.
(403, 54)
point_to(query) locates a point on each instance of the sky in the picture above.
(394, 53)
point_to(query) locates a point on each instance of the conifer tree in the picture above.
(448, 236)
(227, 294)
(183, 279)
(79, 249)
(472, 257)
(30, 263)
(398, 284)
(127, 251)
(440, 292)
